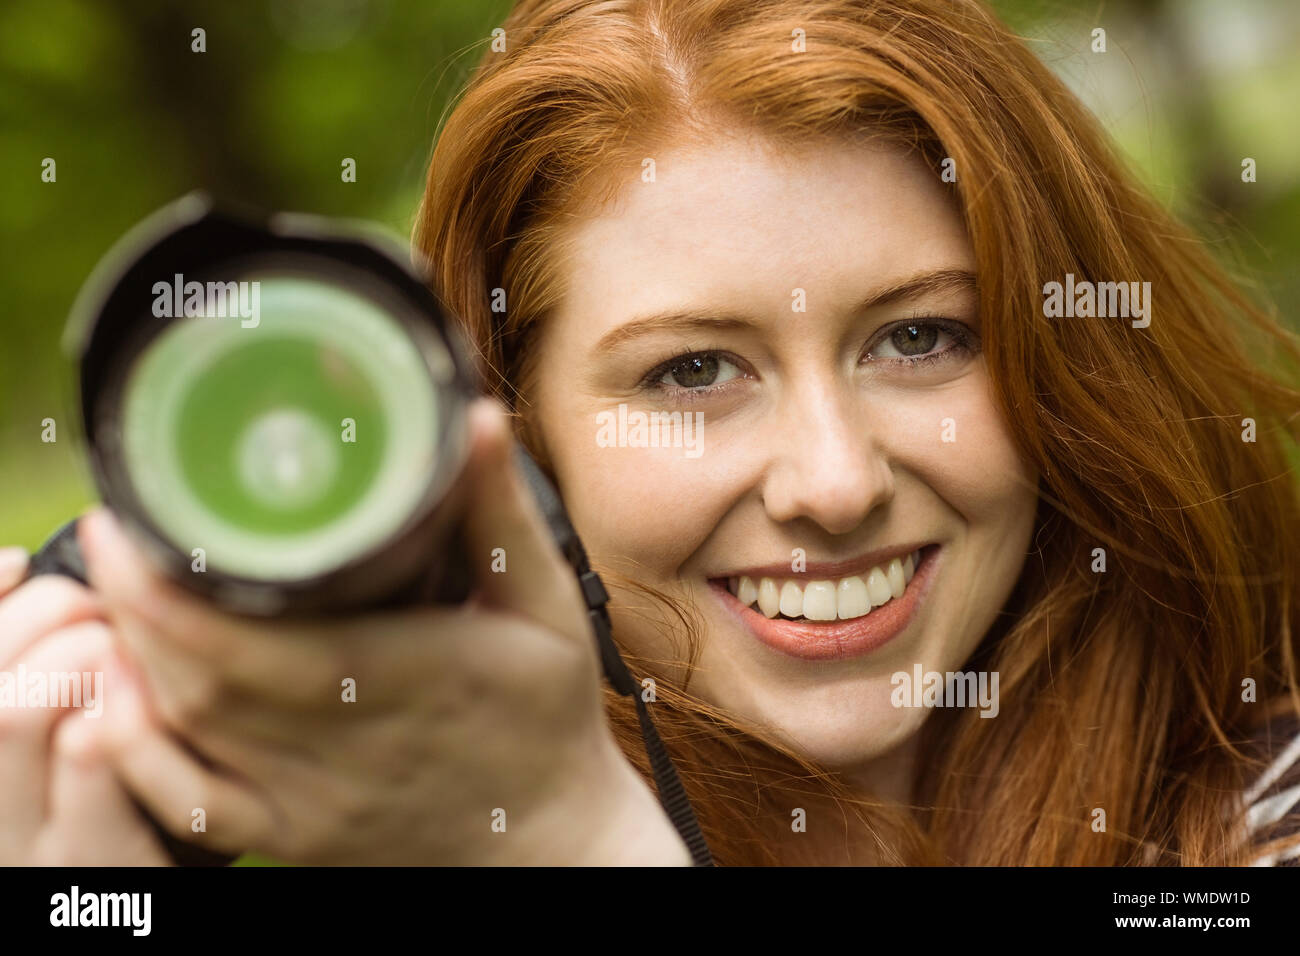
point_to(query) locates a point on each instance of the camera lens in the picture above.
(284, 436)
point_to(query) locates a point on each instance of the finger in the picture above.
(40, 606)
(192, 802)
(189, 652)
(122, 575)
(13, 566)
(92, 820)
(224, 725)
(196, 660)
(72, 656)
(537, 581)
(184, 687)
(172, 633)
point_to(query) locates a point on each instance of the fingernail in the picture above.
(13, 561)
(97, 531)
(76, 739)
(118, 675)
(88, 535)
(496, 425)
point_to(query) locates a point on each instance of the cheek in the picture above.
(641, 508)
(640, 512)
(957, 443)
(989, 496)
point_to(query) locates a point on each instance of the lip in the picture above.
(835, 640)
(820, 570)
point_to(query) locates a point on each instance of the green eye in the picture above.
(698, 371)
(915, 339)
(922, 339)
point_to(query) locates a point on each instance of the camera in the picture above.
(275, 407)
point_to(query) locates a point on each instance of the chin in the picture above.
(838, 731)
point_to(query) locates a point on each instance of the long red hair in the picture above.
(1122, 691)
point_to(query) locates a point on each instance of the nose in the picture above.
(826, 464)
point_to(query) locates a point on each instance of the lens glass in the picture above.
(284, 435)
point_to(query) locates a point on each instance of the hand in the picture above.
(460, 714)
(61, 803)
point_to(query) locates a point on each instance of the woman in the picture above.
(767, 286)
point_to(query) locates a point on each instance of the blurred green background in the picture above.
(288, 88)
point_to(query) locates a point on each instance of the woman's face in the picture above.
(810, 319)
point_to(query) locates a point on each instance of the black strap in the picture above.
(672, 796)
(671, 793)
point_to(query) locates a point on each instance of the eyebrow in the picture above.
(924, 283)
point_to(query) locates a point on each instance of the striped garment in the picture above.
(1273, 802)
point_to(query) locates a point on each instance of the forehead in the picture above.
(742, 221)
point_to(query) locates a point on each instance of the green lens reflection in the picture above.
(286, 446)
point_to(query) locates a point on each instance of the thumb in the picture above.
(516, 561)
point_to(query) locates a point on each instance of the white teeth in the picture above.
(851, 598)
(819, 601)
(847, 598)
(746, 592)
(791, 599)
(894, 574)
(769, 598)
(878, 587)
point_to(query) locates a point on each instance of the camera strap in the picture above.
(672, 795)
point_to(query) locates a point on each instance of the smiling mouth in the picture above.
(818, 619)
(830, 599)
